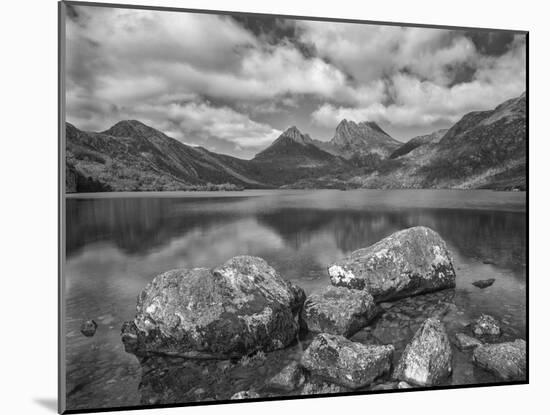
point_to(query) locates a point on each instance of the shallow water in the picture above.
(117, 243)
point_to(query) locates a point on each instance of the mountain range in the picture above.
(484, 149)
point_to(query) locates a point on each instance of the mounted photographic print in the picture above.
(261, 207)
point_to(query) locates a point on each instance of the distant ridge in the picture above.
(133, 156)
(484, 149)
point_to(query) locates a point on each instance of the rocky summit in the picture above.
(338, 310)
(427, 359)
(356, 139)
(408, 262)
(338, 360)
(295, 149)
(238, 308)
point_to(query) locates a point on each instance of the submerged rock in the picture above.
(88, 328)
(484, 283)
(245, 395)
(239, 308)
(320, 388)
(385, 386)
(408, 262)
(338, 360)
(290, 378)
(486, 327)
(426, 360)
(398, 324)
(506, 360)
(338, 310)
(465, 342)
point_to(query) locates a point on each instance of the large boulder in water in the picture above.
(234, 310)
(427, 359)
(335, 359)
(338, 310)
(508, 360)
(408, 262)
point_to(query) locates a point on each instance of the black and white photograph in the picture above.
(264, 207)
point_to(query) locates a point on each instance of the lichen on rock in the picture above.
(486, 327)
(408, 262)
(507, 360)
(338, 310)
(427, 359)
(231, 311)
(335, 359)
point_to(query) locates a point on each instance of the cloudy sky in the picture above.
(233, 84)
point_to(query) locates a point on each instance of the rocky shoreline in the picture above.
(240, 331)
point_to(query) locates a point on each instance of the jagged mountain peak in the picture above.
(295, 135)
(374, 126)
(292, 131)
(363, 137)
(296, 148)
(362, 124)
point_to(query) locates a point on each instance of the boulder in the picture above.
(465, 342)
(484, 283)
(242, 307)
(486, 327)
(88, 328)
(338, 310)
(426, 360)
(290, 378)
(245, 395)
(408, 262)
(508, 360)
(335, 359)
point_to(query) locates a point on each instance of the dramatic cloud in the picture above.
(232, 84)
(370, 52)
(432, 76)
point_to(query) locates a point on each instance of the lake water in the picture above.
(116, 244)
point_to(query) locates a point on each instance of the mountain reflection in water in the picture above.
(116, 245)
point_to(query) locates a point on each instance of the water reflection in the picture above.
(116, 245)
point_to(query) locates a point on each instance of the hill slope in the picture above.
(484, 149)
(481, 145)
(415, 142)
(133, 156)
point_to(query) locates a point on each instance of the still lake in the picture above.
(116, 244)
